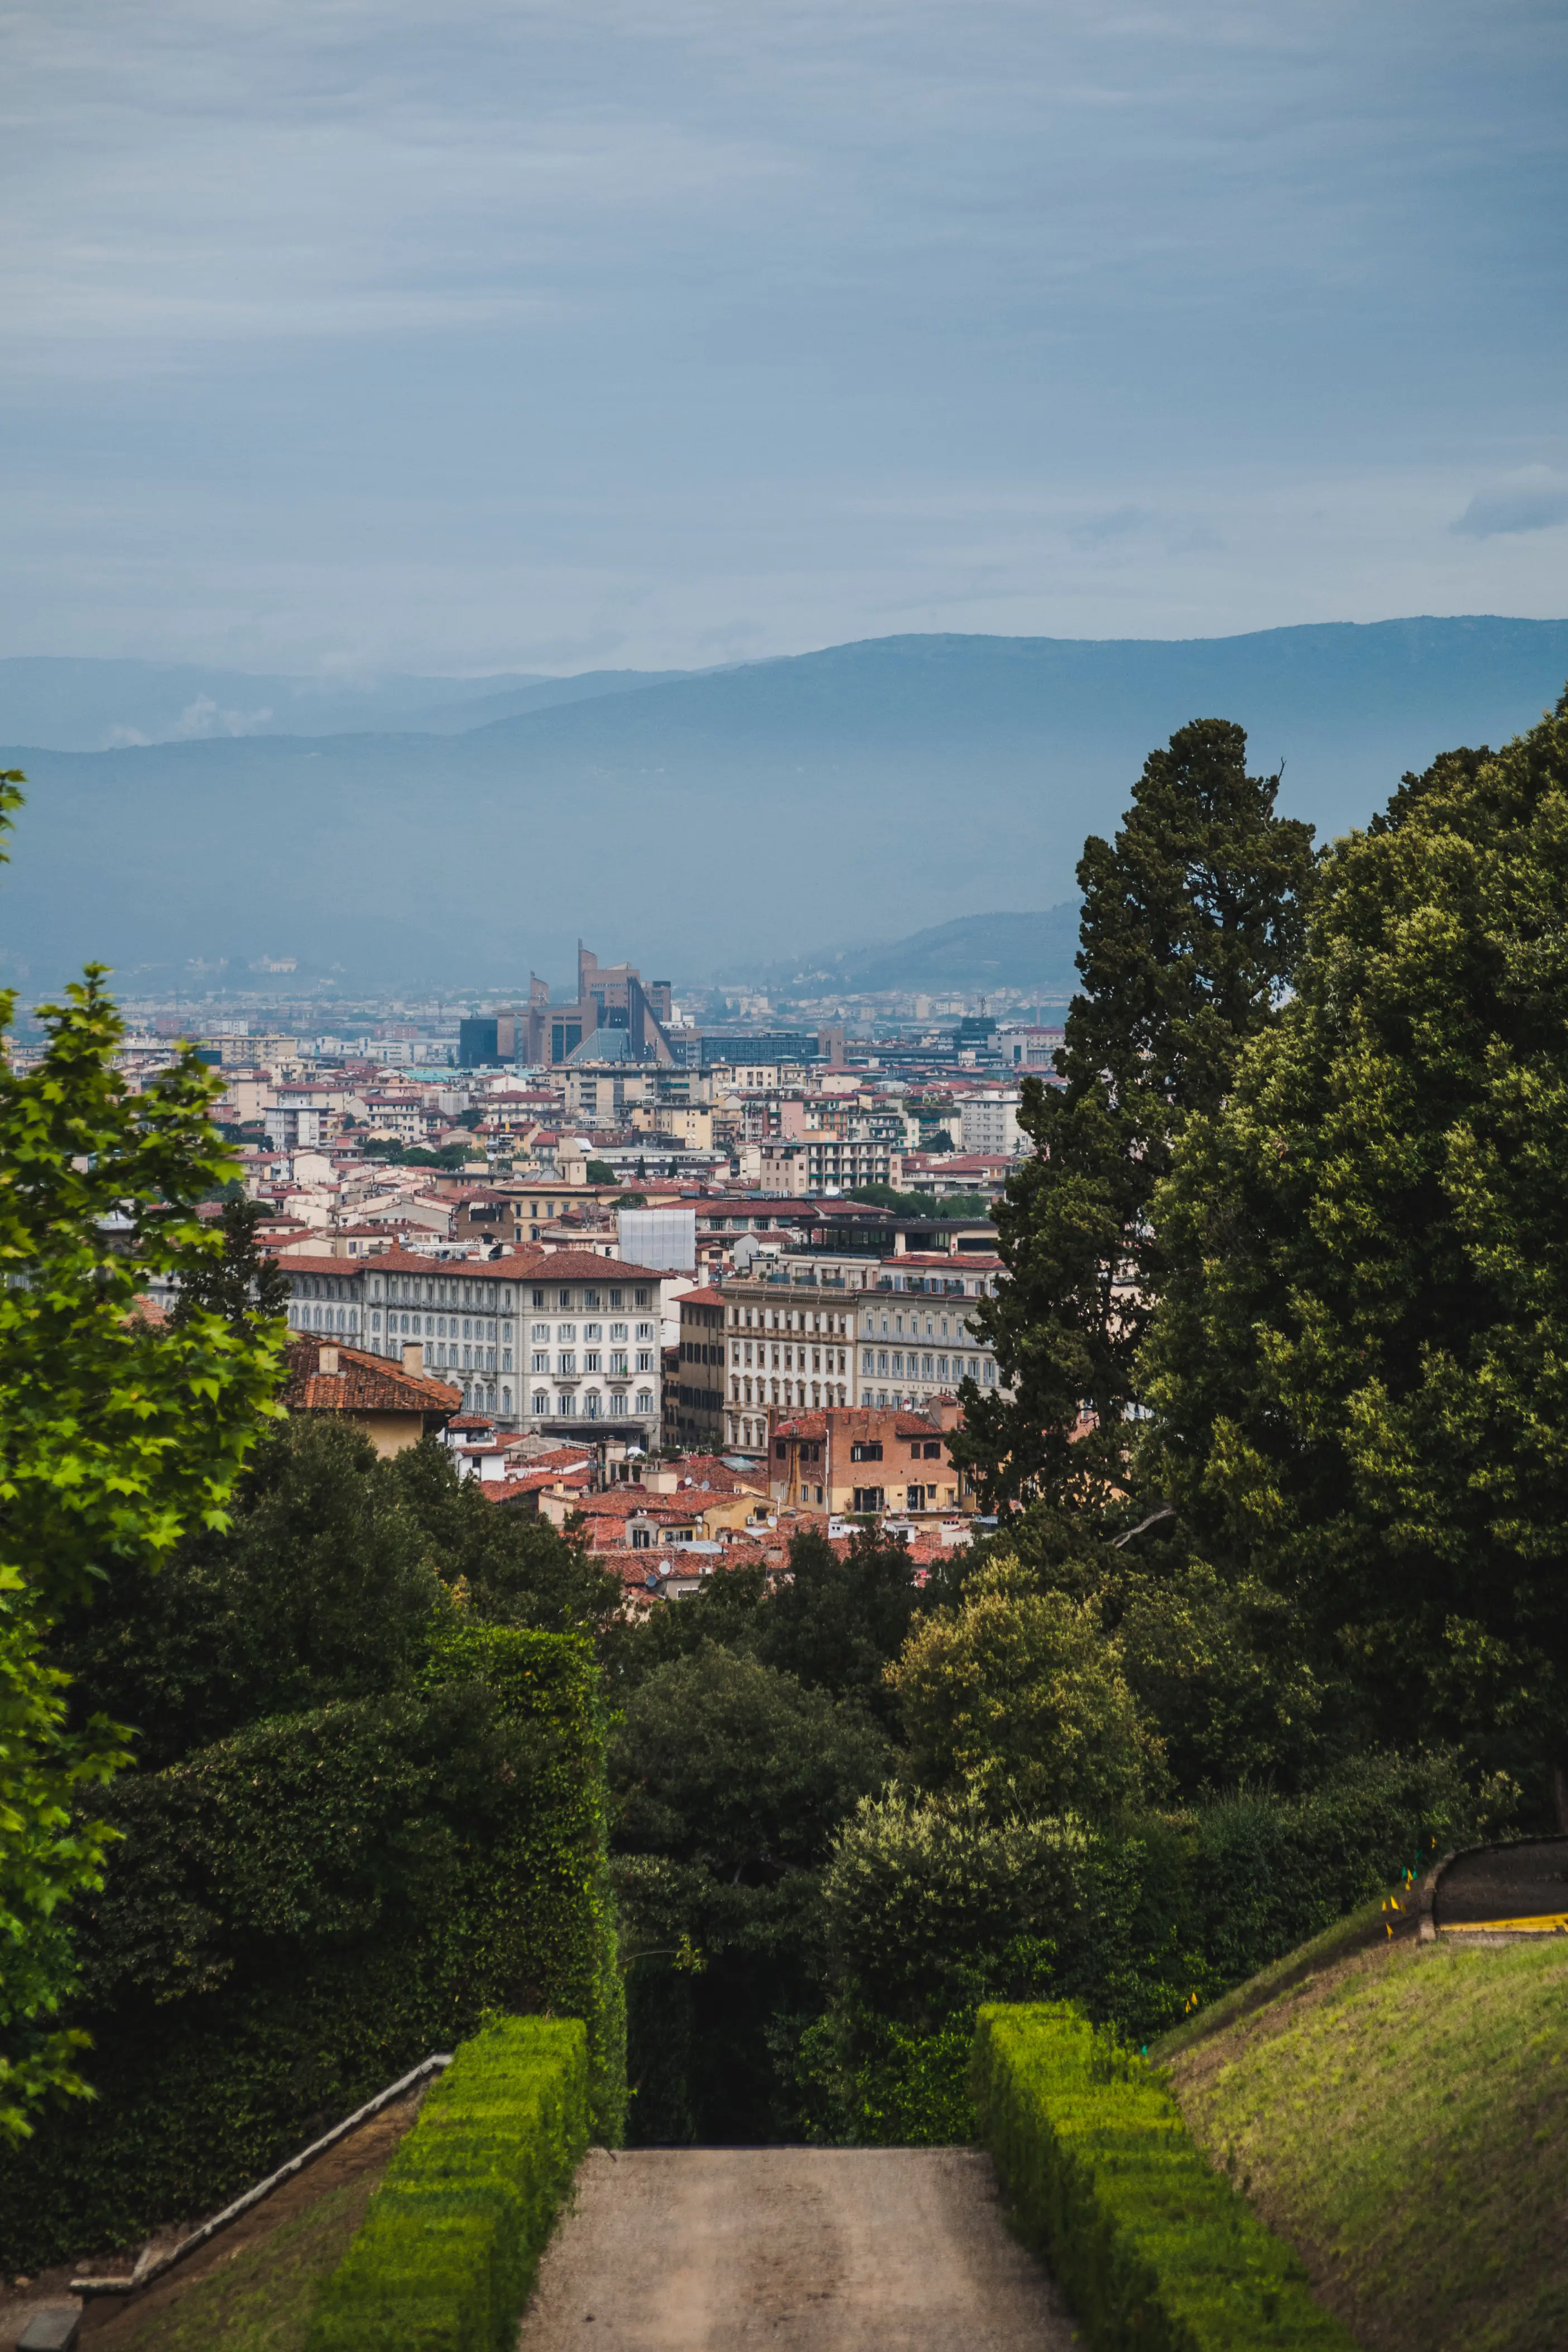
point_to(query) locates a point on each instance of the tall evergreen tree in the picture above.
(242, 1283)
(1192, 924)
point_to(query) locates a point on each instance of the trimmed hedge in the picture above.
(297, 1915)
(445, 2258)
(1153, 2250)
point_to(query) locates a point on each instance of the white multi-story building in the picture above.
(536, 1339)
(991, 1123)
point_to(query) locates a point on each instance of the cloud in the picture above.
(1533, 499)
(203, 717)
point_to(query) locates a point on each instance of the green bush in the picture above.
(932, 1907)
(298, 1914)
(445, 2257)
(1153, 2249)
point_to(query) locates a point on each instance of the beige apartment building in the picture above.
(819, 1333)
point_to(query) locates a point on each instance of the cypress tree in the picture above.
(1192, 924)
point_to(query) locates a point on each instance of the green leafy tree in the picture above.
(118, 1432)
(834, 1623)
(1191, 925)
(1018, 1700)
(730, 1780)
(319, 1588)
(1360, 1366)
(510, 1568)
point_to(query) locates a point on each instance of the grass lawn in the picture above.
(260, 2297)
(1401, 2116)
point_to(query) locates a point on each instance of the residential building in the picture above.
(990, 1121)
(811, 1330)
(694, 1401)
(866, 1461)
(538, 1340)
(395, 1405)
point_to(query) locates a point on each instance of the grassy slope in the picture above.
(1401, 2116)
(263, 2298)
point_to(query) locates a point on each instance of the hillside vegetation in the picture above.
(1401, 2117)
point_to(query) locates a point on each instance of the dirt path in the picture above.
(827, 2249)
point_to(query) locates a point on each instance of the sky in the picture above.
(351, 336)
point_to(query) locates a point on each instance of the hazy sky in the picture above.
(486, 334)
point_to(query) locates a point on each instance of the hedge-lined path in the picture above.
(831, 2250)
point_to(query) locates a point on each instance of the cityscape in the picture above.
(783, 1270)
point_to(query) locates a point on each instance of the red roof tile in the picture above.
(361, 1383)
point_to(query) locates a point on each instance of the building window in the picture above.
(645, 1330)
(566, 1333)
(619, 1367)
(591, 1361)
(867, 1449)
(566, 1365)
(645, 1401)
(867, 1360)
(541, 1363)
(566, 1406)
(540, 1400)
(538, 1298)
(644, 1360)
(868, 1498)
(593, 1404)
(990, 1373)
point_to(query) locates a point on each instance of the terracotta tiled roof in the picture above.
(361, 1383)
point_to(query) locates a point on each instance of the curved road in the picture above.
(829, 2249)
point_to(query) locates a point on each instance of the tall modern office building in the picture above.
(618, 1016)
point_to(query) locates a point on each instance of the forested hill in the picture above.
(868, 791)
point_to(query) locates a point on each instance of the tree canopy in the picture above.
(1360, 1366)
(119, 1434)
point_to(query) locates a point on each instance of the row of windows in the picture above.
(566, 1333)
(566, 1362)
(794, 1357)
(900, 1363)
(441, 1326)
(785, 1318)
(592, 1405)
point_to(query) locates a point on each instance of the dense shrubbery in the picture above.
(445, 2259)
(932, 1907)
(378, 1813)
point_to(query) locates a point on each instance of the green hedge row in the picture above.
(445, 2257)
(298, 1914)
(1153, 2250)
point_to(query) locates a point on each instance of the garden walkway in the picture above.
(829, 2249)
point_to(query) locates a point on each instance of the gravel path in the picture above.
(829, 2249)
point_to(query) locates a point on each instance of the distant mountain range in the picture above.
(63, 705)
(692, 822)
(976, 952)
